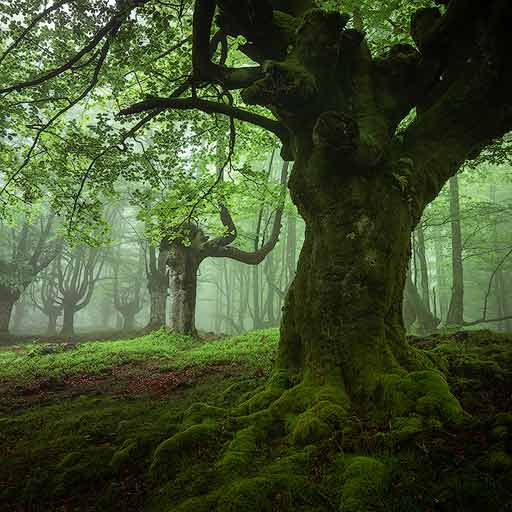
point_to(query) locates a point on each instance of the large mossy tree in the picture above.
(359, 181)
(361, 178)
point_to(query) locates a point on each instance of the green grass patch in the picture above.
(36, 360)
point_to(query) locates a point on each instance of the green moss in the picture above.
(499, 433)
(310, 429)
(79, 469)
(425, 393)
(295, 464)
(366, 482)
(504, 418)
(241, 452)
(131, 454)
(198, 504)
(183, 447)
(249, 495)
(498, 461)
(200, 412)
(403, 428)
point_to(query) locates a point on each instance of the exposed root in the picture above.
(261, 455)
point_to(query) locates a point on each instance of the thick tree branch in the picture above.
(256, 257)
(465, 100)
(209, 107)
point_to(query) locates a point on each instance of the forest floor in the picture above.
(80, 423)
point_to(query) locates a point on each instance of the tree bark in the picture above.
(183, 264)
(7, 300)
(343, 314)
(455, 315)
(157, 308)
(422, 256)
(128, 321)
(51, 330)
(68, 322)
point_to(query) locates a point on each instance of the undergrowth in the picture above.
(137, 450)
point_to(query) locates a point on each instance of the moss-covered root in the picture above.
(416, 402)
(366, 480)
(193, 444)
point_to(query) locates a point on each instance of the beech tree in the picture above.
(359, 182)
(128, 291)
(45, 297)
(78, 271)
(373, 139)
(188, 251)
(157, 276)
(26, 251)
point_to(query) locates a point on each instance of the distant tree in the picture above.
(189, 250)
(25, 252)
(78, 271)
(157, 275)
(128, 290)
(455, 315)
(45, 297)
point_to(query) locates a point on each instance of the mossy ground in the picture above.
(166, 423)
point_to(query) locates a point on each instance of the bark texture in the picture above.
(158, 285)
(456, 309)
(8, 298)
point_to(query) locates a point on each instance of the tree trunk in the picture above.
(343, 314)
(440, 278)
(455, 315)
(52, 324)
(157, 308)
(184, 265)
(68, 322)
(422, 256)
(7, 301)
(128, 321)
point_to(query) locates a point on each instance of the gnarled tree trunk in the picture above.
(51, 330)
(158, 285)
(343, 315)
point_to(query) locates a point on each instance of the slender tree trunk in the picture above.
(183, 271)
(68, 322)
(422, 257)
(256, 297)
(440, 279)
(416, 310)
(456, 310)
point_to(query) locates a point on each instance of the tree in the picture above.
(128, 298)
(359, 185)
(78, 271)
(456, 309)
(188, 251)
(361, 179)
(45, 297)
(28, 251)
(158, 284)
